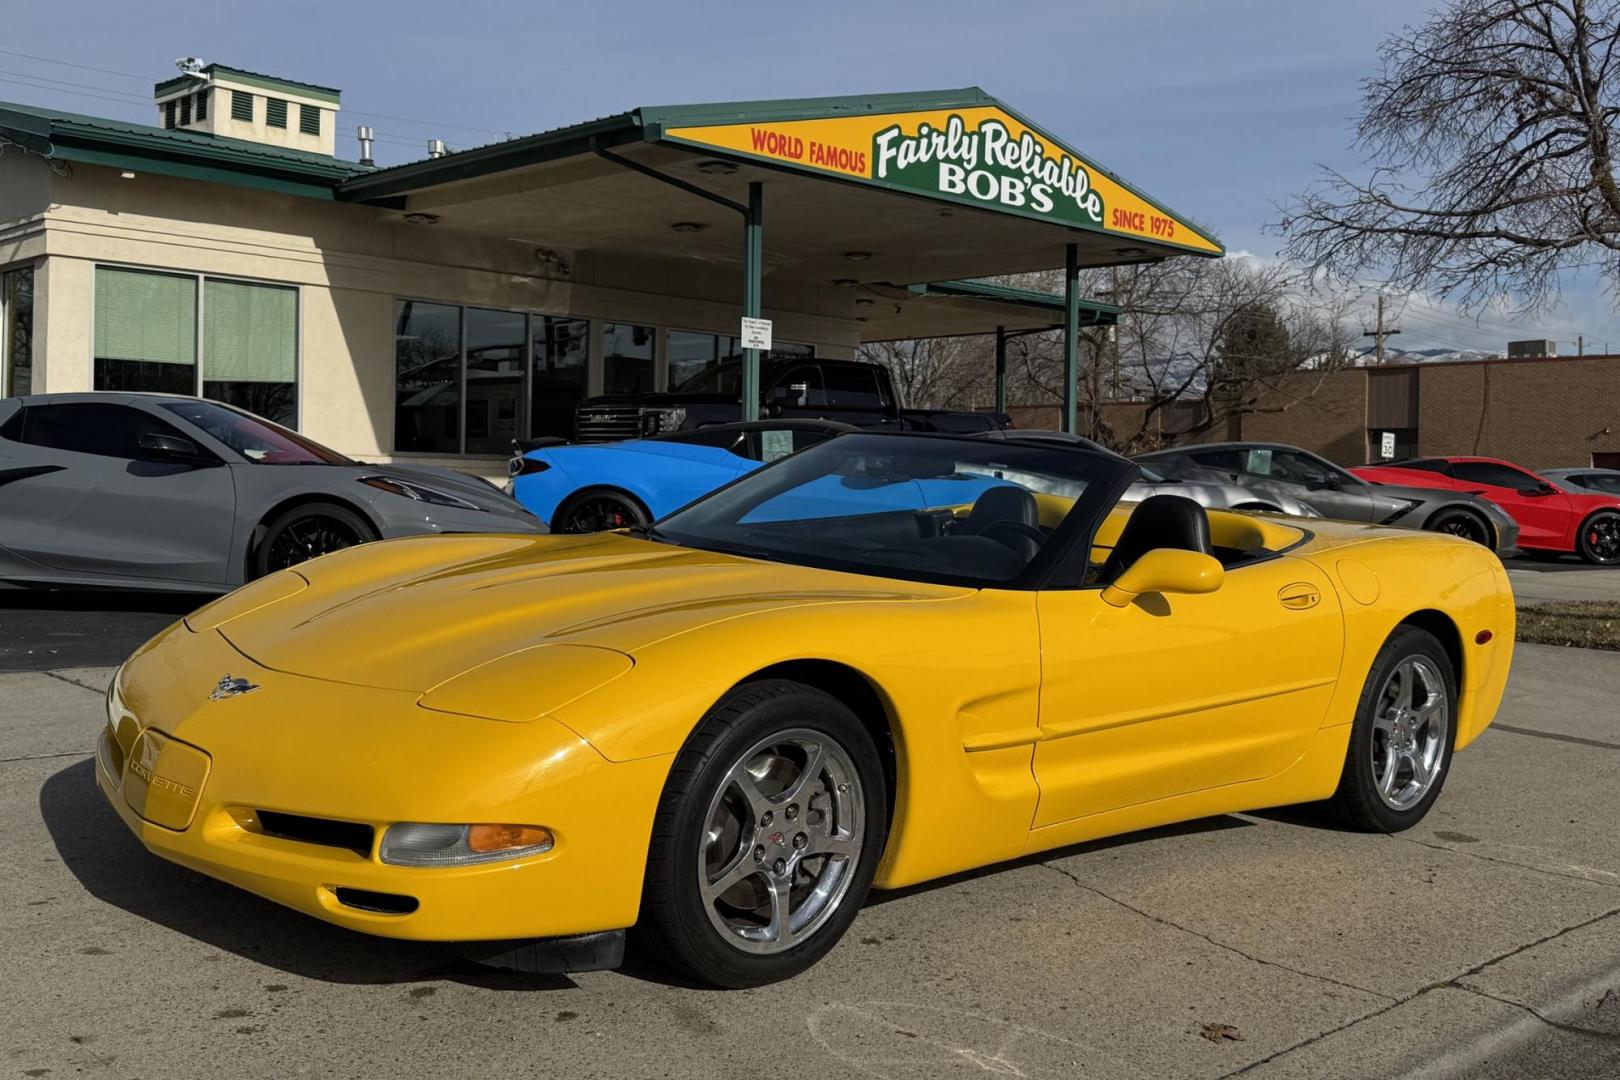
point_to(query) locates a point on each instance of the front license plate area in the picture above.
(164, 778)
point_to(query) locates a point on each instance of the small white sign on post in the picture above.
(756, 334)
(1386, 446)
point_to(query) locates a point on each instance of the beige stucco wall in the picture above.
(351, 263)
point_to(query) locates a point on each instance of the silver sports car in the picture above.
(154, 491)
(1602, 481)
(1278, 469)
(1211, 493)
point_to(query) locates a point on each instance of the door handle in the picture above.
(1299, 596)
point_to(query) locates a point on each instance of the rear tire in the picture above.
(766, 838)
(599, 510)
(1408, 712)
(308, 532)
(1598, 541)
(1462, 523)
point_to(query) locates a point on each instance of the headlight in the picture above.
(418, 492)
(419, 844)
(654, 421)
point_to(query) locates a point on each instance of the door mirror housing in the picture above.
(156, 447)
(1327, 483)
(1166, 570)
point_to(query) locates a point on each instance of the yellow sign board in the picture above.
(981, 156)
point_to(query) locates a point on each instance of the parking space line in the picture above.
(1533, 733)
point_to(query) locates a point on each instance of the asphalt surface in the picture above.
(1484, 943)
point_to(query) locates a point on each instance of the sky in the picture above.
(1220, 109)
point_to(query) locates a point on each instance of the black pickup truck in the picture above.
(849, 391)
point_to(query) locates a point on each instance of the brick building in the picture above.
(1542, 412)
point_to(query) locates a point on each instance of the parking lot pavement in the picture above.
(42, 630)
(1484, 942)
(1567, 578)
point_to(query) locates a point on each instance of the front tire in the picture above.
(599, 510)
(308, 532)
(1598, 542)
(1462, 523)
(1403, 736)
(766, 839)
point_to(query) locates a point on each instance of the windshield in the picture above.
(957, 510)
(722, 378)
(256, 439)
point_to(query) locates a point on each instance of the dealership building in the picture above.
(435, 311)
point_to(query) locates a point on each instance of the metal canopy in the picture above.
(869, 193)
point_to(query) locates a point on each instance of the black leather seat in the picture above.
(1005, 503)
(1160, 521)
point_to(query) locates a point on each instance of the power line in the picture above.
(145, 99)
(81, 67)
(75, 93)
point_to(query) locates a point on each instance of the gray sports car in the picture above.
(1602, 481)
(155, 491)
(1335, 493)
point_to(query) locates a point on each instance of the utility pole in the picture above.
(1580, 344)
(1379, 333)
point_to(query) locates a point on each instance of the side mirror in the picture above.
(1327, 483)
(1166, 570)
(157, 447)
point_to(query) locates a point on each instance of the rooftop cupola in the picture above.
(220, 100)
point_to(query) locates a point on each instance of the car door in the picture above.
(1544, 513)
(1175, 694)
(99, 507)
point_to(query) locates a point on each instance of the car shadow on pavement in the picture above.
(114, 868)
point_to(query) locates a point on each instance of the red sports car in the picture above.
(1551, 519)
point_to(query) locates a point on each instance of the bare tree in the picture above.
(936, 373)
(1489, 132)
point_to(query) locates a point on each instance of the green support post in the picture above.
(1001, 369)
(1071, 339)
(753, 269)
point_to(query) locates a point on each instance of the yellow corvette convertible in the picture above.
(881, 660)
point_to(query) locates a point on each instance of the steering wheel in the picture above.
(1028, 532)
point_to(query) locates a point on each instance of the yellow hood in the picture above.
(410, 614)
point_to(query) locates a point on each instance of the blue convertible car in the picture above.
(597, 486)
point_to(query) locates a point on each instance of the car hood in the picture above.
(410, 614)
(480, 493)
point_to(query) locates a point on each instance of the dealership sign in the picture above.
(982, 156)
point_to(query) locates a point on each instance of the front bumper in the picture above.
(190, 776)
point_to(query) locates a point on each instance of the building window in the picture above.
(185, 110)
(309, 119)
(17, 324)
(169, 109)
(561, 373)
(250, 348)
(627, 358)
(241, 105)
(275, 112)
(496, 341)
(427, 377)
(149, 328)
(146, 331)
(202, 105)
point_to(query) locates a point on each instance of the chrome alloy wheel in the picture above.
(1409, 732)
(782, 841)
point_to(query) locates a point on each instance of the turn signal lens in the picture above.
(1483, 637)
(419, 844)
(487, 838)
